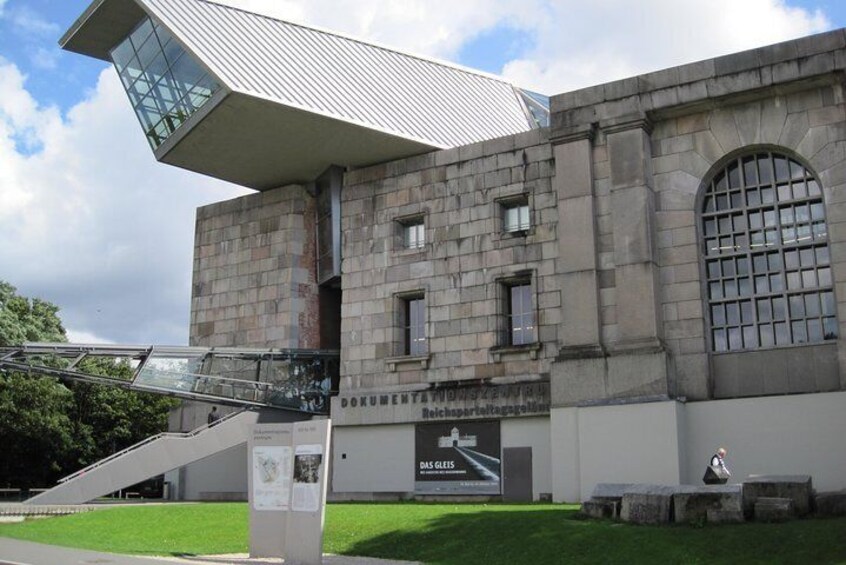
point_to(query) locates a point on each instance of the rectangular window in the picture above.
(520, 314)
(414, 326)
(413, 234)
(516, 216)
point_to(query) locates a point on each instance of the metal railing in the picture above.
(149, 440)
(288, 379)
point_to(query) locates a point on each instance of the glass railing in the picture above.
(305, 385)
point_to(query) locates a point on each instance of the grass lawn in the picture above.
(448, 533)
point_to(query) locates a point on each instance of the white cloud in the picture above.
(43, 58)
(85, 337)
(90, 221)
(436, 28)
(28, 22)
(581, 45)
(576, 43)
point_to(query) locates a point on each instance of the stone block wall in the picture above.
(254, 282)
(653, 141)
(460, 270)
(809, 124)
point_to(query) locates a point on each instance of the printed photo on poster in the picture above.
(308, 465)
(457, 458)
(271, 477)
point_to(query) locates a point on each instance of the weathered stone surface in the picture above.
(693, 503)
(798, 488)
(610, 490)
(830, 503)
(714, 516)
(647, 504)
(600, 509)
(771, 509)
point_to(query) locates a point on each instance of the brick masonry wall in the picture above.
(460, 268)
(254, 277)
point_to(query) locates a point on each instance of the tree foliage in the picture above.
(49, 428)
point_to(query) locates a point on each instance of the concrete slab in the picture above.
(772, 509)
(17, 552)
(830, 503)
(693, 504)
(647, 504)
(798, 488)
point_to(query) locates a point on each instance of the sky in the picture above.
(91, 222)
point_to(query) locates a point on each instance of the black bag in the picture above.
(714, 475)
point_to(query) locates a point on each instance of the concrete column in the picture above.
(635, 249)
(577, 262)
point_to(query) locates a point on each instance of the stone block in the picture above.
(577, 380)
(633, 216)
(797, 488)
(629, 153)
(647, 504)
(830, 504)
(610, 491)
(773, 509)
(637, 374)
(573, 169)
(714, 516)
(637, 302)
(599, 509)
(692, 504)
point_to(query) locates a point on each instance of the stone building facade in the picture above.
(684, 288)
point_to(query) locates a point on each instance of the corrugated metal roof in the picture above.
(413, 97)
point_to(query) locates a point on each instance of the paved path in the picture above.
(16, 552)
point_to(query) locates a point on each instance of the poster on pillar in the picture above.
(457, 458)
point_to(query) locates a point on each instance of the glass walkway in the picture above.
(298, 380)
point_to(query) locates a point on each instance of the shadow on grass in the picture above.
(560, 536)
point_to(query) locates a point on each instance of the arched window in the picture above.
(767, 263)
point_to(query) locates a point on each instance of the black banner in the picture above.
(457, 458)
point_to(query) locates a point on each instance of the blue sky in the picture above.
(91, 222)
(30, 30)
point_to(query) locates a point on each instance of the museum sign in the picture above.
(441, 404)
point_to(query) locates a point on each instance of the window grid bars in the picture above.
(766, 256)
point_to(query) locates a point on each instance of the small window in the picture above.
(519, 313)
(515, 216)
(413, 234)
(414, 326)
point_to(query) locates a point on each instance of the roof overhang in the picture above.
(263, 145)
(102, 26)
(246, 136)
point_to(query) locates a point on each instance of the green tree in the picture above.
(35, 428)
(49, 429)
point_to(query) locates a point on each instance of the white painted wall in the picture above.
(781, 435)
(378, 459)
(671, 443)
(634, 443)
(220, 477)
(534, 433)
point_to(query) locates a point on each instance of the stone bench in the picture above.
(773, 509)
(715, 503)
(647, 504)
(830, 504)
(797, 488)
(607, 495)
(600, 509)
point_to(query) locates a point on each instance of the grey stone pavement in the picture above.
(16, 552)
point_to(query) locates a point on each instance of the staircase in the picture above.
(151, 457)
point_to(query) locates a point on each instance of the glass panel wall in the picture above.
(165, 85)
